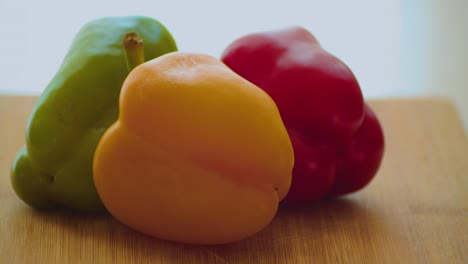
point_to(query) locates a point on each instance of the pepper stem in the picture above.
(134, 50)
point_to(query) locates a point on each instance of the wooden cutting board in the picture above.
(414, 211)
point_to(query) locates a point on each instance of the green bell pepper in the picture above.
(54, 168)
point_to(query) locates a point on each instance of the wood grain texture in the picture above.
(414, 211)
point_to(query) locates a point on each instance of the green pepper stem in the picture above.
(134, 50)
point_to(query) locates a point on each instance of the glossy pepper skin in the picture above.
(198, 154)
(338, 141)
(54, 168)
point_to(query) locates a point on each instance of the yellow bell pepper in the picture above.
(198, 154)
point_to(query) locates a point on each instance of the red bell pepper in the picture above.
(337, 139)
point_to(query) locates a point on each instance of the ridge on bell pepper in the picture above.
(337, 139)
(54, 168)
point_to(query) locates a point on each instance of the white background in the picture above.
(395, 48)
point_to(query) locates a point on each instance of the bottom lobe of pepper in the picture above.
(161, 195)
(29, 184)
(362, 158)
(313, 173)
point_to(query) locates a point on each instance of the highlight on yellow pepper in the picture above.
(198, 154)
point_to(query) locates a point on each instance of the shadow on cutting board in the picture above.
(324, 231)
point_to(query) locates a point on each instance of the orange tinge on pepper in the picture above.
(198, 154)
